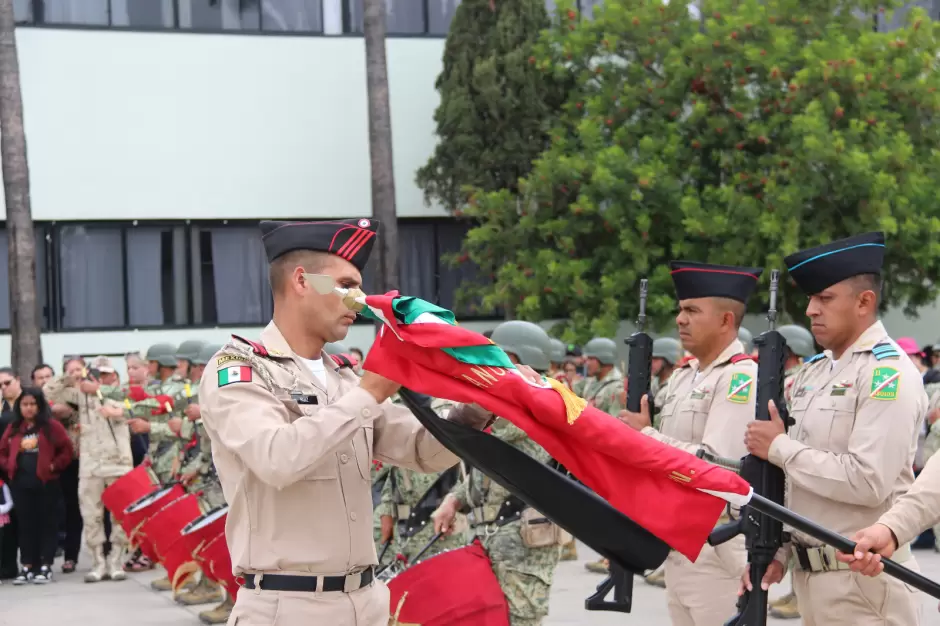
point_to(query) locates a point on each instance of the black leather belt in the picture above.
(282, 582)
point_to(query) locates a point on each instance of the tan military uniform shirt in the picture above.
(709, 408)
(850, 453)
(294, 457)
(918, 509)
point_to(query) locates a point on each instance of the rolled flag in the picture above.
(673, 494)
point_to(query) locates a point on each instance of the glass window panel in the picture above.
(91, 261)
(417, 260)
(214, 15)
(41, 265)
(450, 236)
(304, 16)
(23, 11)
(239, 276)
(143, 13)
(402, 17)
(440, 15)
(88, 12)
(147, 269)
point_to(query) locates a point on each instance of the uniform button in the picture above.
(344, 458)
(366, 413)
(352, 516)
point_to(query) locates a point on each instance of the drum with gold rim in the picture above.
(140, 511)
(128, 489)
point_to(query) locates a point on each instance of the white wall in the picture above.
(124, 125)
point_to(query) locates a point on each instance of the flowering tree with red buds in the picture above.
(736, 135)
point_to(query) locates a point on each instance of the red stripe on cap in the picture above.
(351, 243)
(336, 234)
(362, 241)
(711, 271)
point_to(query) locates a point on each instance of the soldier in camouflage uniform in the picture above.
(524, 573)
(558, 359)
(800, 345)
(185, 355)
(104, 456)
(667, 352)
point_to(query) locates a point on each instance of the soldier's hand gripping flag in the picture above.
(674, 495)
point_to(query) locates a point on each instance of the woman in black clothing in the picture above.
(33, 451)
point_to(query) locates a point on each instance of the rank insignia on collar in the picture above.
(885, 382)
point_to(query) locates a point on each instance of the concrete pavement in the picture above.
(132, 603)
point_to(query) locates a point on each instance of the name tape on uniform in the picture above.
(234, 374)
(885, 382)
(228, 358)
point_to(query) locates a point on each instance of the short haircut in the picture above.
(8, 370)
(867, 282)
(735, 307)
(311, 260)
(134, 356)
(41, 366)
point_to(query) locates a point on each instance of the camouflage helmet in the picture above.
(529, 342)
(189, 349)
(559, 350)
(602, 349)
(206, 353)
(745, 337)
(799, 340)
(336, 347)
(162, 353)
(667, 348)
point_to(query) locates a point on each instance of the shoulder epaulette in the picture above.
(257, 348)
(885, 350)
(737, 358)
(345, 360)
(685, 361)
(814, 358)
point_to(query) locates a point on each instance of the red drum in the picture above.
(434, 600)
(164, 528)
(136, 514)
(216, 564)
(180, 556)
(128, 489)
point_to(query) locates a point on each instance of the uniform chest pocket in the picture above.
(362, 445)
(692, 416)
(326, 469)
(841, 413)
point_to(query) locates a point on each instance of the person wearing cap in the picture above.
(857, 409)
(708, 405)
(104, 456)
(294, 435)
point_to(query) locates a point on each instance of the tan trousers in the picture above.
(704, 593)
(845, 598)
(368, 606)
(89, 503)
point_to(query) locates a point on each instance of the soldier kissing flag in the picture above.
(673, 494)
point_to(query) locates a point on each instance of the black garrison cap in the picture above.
(701, 280)
(348, 239)
(817, 268)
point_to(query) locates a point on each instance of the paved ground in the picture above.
(132, 603)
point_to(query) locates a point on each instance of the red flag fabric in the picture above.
(657, 486)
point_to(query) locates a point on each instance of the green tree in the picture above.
(737, 137)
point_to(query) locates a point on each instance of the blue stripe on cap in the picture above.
(819, 256)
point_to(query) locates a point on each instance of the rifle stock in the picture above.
(763, 534)
(639, 378)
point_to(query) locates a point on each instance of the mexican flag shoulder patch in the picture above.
(739, 391)
(234, 374)
(885, 382)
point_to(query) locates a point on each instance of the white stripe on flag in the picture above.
(379, 314)
(735, 499)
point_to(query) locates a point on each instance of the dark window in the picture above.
(440, 15)
(157, 290)
(87, 12)
(41, 265)
(91, 262)
(450, 236)
(417, 260)
(233, 272)
(403, 17)
(219, 14)
(143, 13)
(292, 15)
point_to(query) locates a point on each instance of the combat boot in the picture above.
(218, 615)
(786, 607)
(115, 566)
(161, 584)
(598, 567)
(657, 578)
(99, 569)
(204, 593)
(569, 552)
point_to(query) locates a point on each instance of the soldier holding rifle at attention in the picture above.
(858, 408)
(708, 403)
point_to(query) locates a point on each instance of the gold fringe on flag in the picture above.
(574, 405)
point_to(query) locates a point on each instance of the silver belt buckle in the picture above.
(352, 582)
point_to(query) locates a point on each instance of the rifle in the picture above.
(763, 534)
(639, 377)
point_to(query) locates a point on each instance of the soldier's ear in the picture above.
(867, 302)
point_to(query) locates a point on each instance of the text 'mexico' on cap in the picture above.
(350, 239)
(702, 280)
(816, 269)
